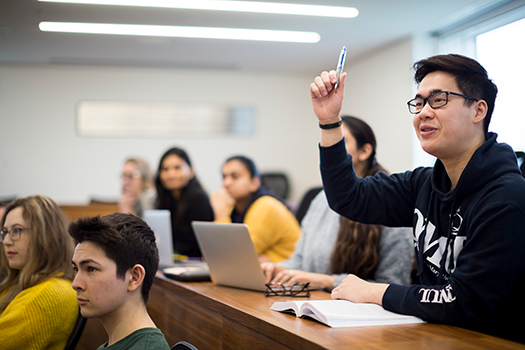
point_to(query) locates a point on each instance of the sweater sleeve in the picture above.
(273, 228)
(295, 261)
(396, 256)
(380, 199)
(40, 317)
(315, 217)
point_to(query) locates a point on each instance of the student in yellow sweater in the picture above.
(243, 199)
(38, 307)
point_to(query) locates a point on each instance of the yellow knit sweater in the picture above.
(273, 228)
(40, 317)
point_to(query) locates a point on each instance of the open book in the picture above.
(343, 313)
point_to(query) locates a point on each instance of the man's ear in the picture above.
(481, 111)
(137, 275)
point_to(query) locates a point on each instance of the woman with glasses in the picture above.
(179, 191)
(243, 199)
(332, 246)
(38, 306)
(138, 193)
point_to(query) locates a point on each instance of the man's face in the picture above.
(446, 132)
(100, 292)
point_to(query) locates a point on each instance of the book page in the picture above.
(343, 313)
(349, 310)
(288, 306)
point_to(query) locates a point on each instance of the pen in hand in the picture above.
(340, 65)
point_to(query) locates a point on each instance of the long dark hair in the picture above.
(165, 199)
(357, 246)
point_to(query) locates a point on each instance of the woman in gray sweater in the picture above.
(331, 247)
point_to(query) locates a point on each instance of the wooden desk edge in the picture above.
(253, 322)
(278, 326)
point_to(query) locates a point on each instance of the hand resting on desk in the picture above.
(279, 274)
(355, 289)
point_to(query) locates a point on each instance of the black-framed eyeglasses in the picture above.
(14, 233)
(435, 100)
(299, 290)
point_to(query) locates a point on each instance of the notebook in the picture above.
(231, 256)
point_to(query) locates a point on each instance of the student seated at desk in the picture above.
(331, 246)
(115, 262)
(468, 211)
(243, 199)
(38, 308)
(179, 191)
(138, 193)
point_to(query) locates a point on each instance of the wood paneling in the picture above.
(73, 212)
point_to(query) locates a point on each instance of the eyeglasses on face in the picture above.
(299, 290)
(13, 233)
(435, 100)
(134, 175)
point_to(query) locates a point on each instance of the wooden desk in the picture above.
(73, 212)
(215, 317)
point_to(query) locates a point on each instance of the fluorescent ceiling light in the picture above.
(230, 5)
(181, 32)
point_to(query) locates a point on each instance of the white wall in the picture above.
(377, 88)
(41, 153)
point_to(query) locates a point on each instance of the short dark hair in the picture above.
(125, 238)
(471, 78)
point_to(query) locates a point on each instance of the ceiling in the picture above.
(380, 22)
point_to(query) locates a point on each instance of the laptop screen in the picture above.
(160, 222)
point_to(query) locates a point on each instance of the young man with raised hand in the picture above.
(115, 262)
(468, 211)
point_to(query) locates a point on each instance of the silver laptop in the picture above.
(231, 256)
(160, 222)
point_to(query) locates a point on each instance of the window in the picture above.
(502, 54)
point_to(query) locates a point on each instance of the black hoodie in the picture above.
(469, 241)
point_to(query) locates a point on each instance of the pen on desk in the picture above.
(340, 65)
